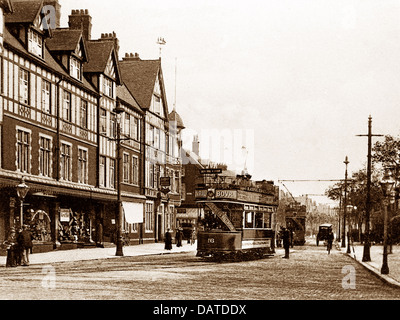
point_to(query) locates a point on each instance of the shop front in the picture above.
(58, 215)
(185, 216)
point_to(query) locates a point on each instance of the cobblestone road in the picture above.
(309, 274)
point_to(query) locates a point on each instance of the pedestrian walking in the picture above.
(330, 241)
(25, 242)
(286, 242)
(179, 236)
(168, 240)
(193, 236)
(12, 249)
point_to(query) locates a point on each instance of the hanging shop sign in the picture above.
(201, 193)
(165, 181)
(210, 171)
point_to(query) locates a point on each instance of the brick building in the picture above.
(60, 90)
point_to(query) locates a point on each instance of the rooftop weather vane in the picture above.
(161, 42)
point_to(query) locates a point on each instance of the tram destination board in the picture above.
(210, 171)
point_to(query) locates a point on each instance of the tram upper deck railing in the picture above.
(264, 187)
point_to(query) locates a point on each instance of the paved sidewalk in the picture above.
(375, 265)
(102, 253)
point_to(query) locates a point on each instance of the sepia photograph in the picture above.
(197, 159)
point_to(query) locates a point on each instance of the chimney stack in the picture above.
(81, 20)
(131, 57)
(112, 37)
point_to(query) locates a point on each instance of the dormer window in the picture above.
(35, 43)
(75, 68)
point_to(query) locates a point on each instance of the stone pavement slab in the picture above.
(376, 254)
(102, 253)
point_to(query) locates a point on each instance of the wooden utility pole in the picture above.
(366, 252)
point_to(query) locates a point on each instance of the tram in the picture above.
(238, 219)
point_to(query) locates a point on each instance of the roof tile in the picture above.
(99, 53)
(140, 77)
(24, 11)
(64, 40)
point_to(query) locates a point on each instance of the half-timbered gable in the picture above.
(68, 46)
(27, 24)
(102, 72)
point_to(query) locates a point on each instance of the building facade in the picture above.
(162, 143)
(60, 92)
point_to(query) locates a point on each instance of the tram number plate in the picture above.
(211, 240)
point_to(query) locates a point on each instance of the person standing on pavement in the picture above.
(168, 240)
(179, 237)
(12, 249)
(286, 242)
(330, 241)
(25, 242)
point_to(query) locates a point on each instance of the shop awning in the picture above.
(133, 212)
(188, 213)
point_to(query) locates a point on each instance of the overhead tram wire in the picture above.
(320, 180)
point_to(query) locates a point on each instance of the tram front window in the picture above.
(267, 220)
(259, 220)
(249, 220)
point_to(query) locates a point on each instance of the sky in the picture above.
(287, 83)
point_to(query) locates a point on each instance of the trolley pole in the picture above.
(366, 252)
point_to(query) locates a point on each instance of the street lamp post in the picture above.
(119, 110)
(119, 241)
(348, 233)
(387, 185)
(346, 162)
(22, 191)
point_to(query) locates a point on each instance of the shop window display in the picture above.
(40, 225)
(74, 227)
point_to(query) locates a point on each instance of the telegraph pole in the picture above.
(366, 253)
